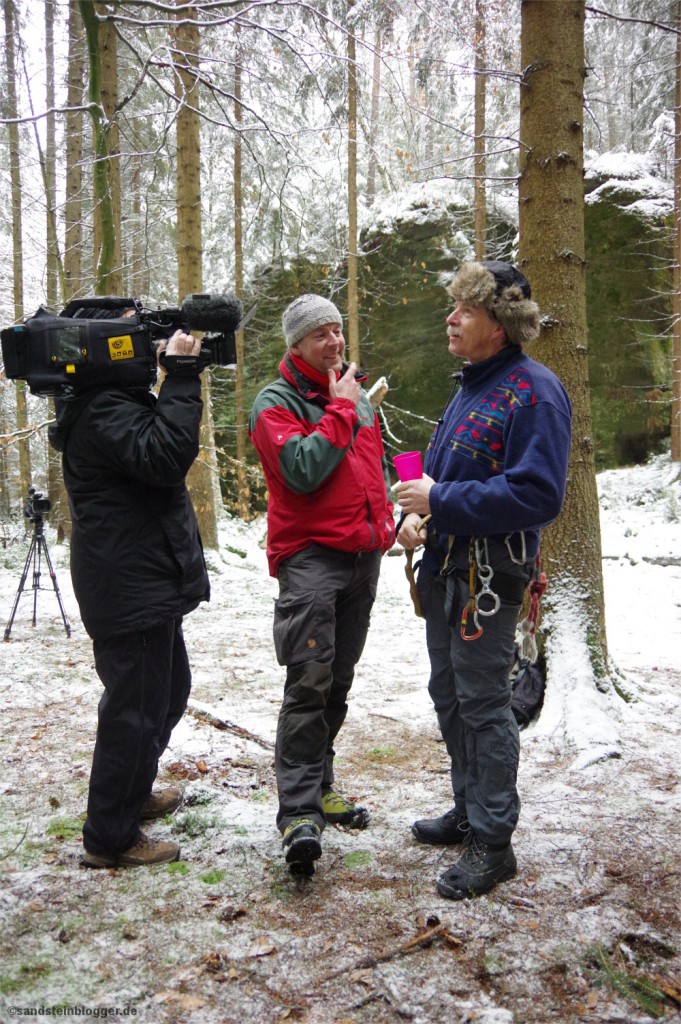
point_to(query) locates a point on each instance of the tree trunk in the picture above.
(52, 262)
(17, 250)
(109, 95)
(138, 274)
(676, 271)
(59, 517)
(202, 479)
(243, 492)
(104, 214)
(373, 127)
(353, 302)
(480, 162)
(73, 228)
(552, 256)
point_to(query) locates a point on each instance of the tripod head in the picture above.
(37, 506)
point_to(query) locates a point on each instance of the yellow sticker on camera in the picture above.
(121, 347)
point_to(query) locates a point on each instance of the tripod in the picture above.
(37, 549)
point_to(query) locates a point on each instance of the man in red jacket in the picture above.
(329, 521)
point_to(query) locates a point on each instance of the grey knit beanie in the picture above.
(305, 313)
(503, 292)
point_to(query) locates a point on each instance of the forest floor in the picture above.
(588, 931)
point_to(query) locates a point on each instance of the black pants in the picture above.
(321, 621)
(147, 680)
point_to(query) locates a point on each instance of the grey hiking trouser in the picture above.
(321, 620)
(433, 594)
(476, 718)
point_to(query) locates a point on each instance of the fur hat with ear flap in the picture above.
(503, 292)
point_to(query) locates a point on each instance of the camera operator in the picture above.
(137, 567)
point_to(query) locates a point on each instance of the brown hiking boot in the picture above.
(143, 853)
(161, 802)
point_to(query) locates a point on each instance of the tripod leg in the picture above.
(31, 552)
(36, 578)
(53, 577)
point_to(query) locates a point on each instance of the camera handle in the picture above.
(36, 551)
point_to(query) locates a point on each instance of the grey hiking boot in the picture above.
(338, 810)
(143, 853)
(479, 868)
(450, 829)
(302, 846)
(161, 802)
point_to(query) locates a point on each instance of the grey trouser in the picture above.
(321, 620)
(433, 593)
(472, 699)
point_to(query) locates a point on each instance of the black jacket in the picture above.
(136, 554)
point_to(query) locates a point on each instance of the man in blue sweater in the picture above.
(495, 474)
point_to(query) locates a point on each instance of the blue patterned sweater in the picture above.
(499, 456)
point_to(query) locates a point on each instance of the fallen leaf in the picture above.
(364, 976)
(670, 987)
(231, 913)
(262, 947)
(188, 1002)
(213, 961)
(202, 767)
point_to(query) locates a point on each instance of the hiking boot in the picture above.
(302, 845)
(450, 829)
(479, 868)
(143, 852)
(161, 802)
(338, 810)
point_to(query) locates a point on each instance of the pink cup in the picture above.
(408, 465)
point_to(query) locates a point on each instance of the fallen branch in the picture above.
(15, 848)
(220, 723)
(419, 940)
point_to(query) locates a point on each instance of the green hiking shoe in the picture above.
(338, 810)
(302, 846)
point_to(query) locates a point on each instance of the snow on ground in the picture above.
(227, 935)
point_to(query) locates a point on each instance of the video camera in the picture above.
(109, 340)
(37, 505)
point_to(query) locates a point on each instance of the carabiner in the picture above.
(485, 572)
(464, 621)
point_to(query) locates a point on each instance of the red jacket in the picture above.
(324, 464)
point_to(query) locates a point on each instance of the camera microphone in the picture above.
(204, 312)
